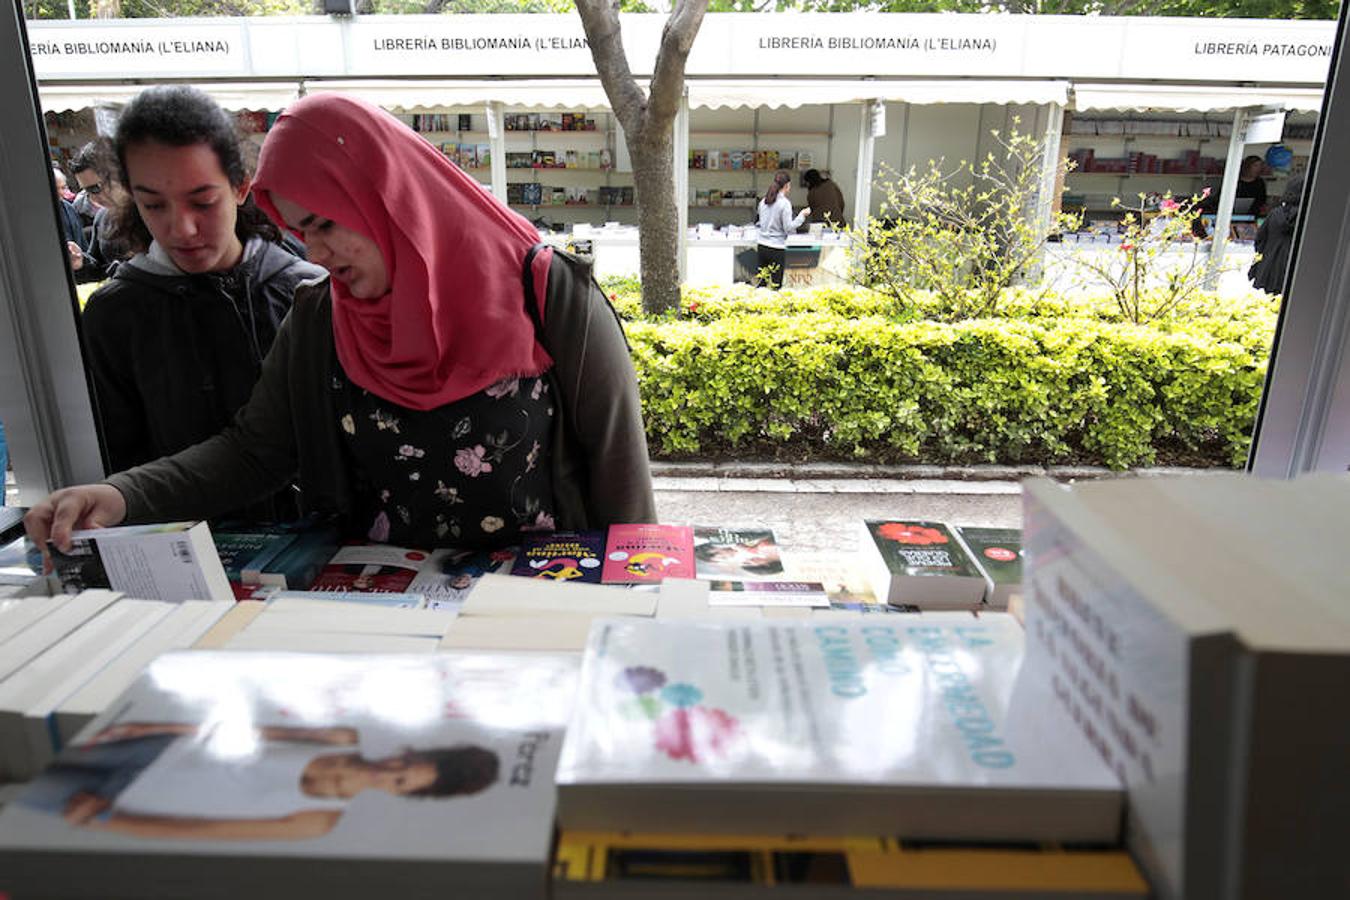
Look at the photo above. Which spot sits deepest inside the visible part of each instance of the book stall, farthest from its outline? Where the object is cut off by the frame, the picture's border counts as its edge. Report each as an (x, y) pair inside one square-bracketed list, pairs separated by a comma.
[(1113, 705), (868, 93)]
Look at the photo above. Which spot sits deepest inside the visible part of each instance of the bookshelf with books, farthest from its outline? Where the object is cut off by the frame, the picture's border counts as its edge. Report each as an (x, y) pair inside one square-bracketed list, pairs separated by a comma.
[(569, 162), (462, 136), (734, 153), (1117, 154)]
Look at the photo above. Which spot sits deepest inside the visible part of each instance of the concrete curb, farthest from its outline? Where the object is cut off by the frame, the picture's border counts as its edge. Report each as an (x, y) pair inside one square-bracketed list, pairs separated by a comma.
[(824, 471)]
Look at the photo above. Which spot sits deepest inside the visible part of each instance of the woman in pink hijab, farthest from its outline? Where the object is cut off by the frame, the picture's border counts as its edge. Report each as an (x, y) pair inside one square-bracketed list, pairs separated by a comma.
[(450, 382)]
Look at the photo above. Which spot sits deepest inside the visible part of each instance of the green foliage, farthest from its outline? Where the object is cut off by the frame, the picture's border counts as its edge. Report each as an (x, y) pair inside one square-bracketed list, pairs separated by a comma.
[(1157, 269), (963, 234), (831, 374)]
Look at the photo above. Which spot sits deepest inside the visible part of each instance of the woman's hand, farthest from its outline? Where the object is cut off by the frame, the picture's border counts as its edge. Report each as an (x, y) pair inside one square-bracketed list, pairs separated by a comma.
[(76, 255), (83, 806), (69, 509)]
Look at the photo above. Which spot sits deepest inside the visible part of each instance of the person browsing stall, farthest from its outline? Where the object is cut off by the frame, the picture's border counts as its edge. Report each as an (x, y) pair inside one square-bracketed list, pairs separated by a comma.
[(776, 222), (176, 338), (450, 383)]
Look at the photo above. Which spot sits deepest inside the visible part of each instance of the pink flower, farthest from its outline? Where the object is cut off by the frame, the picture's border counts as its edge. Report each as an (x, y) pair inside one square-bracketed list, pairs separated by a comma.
[(696, 733), (379, 531), (542, 522), (613, 298), (469, 460), (1204, 193), (1169, 205), (1126, 247), (505, 387)]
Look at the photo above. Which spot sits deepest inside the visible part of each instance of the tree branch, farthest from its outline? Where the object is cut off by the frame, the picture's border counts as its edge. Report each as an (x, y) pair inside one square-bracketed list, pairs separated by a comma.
[(677, 38), (600, 19)]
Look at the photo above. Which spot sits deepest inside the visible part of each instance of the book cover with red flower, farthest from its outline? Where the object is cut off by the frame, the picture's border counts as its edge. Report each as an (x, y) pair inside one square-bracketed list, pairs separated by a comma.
[(648, 554), (907, 726), (919, 563)]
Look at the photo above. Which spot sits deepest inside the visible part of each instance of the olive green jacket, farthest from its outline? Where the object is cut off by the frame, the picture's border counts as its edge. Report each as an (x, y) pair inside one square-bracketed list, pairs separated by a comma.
[(287, 432)]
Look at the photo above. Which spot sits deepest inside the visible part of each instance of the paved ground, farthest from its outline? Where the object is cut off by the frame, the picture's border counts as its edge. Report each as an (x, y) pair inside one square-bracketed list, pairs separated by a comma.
[(823, 514)]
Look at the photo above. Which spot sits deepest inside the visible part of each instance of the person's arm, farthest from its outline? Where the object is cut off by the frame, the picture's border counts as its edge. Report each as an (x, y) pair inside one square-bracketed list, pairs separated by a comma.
[(296, 826), (789, 223), (252, 458), (599, 395)]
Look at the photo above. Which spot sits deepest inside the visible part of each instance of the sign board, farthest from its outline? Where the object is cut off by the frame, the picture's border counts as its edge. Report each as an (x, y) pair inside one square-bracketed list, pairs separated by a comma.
[(1265, 129), (799, 45)]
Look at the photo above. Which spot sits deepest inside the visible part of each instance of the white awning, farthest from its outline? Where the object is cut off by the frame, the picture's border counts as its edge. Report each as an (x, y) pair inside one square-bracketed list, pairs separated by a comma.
[(1176, 98), (795, 93), (409, 96), (260, 95)]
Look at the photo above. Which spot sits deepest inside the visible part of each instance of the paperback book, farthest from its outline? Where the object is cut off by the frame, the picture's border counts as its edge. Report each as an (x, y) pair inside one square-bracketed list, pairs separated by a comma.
[(380, 568), (744, 554), (562, 556), (175, 561), (919, 564), (448, 575), (911, 726), (998, 553), (767, 593), (250, 774), (647, 554)]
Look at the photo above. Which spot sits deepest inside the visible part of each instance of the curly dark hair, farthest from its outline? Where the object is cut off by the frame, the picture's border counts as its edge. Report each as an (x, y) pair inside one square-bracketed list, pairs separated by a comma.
[(180, 116), (466, 769)]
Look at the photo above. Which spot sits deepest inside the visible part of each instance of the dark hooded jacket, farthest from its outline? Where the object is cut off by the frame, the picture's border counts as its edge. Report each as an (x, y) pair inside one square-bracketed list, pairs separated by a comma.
[(1274, 239), (173, 356)]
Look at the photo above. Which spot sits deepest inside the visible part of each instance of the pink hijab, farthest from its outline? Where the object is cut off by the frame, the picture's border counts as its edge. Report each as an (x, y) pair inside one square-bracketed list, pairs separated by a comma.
[(454, 319)]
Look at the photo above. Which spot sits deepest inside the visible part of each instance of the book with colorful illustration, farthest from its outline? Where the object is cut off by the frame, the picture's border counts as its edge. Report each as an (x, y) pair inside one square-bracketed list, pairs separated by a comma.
[(907, 726), (647, 554), (281, 774), (743, 554), (561, 556), (921, 564)]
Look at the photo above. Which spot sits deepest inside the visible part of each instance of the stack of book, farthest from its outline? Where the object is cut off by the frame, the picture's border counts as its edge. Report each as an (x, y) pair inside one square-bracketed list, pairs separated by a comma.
[(63, 659), (934, 566), (278, 775), (1196, 629)]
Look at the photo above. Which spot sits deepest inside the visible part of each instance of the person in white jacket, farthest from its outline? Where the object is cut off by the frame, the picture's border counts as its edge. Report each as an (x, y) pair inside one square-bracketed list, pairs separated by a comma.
[(775, 224)]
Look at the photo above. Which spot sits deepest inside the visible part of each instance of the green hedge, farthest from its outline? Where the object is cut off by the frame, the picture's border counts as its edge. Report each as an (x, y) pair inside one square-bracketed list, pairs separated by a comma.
[(840, 374)]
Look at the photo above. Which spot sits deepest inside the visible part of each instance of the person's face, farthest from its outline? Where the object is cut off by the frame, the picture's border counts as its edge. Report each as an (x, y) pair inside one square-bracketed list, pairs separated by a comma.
[(93, 186), (347, 774), (188, 204), (351, 257), (60, 182), (1252, 169)]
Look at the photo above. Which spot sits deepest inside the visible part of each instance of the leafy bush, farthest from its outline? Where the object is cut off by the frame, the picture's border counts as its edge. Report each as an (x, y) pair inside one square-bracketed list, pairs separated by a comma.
[(841, 374)]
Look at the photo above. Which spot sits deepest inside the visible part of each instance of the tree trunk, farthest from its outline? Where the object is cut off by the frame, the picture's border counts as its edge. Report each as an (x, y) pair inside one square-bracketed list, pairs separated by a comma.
[(648, 123)]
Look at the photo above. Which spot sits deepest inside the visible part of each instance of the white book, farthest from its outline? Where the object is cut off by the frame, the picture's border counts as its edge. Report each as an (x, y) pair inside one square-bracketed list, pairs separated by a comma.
[(27, 644), (27, 740), (178, 630), (1184, 621), (20, 613), (282, 775), (905, 726), (174, 561), (288, 614), (331, 642), (511, 595)]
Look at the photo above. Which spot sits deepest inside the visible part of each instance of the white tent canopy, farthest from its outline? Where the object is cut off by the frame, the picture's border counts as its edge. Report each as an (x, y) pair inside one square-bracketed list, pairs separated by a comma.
[(259, 95), (776, 93), (1196, 98), (410, 96)]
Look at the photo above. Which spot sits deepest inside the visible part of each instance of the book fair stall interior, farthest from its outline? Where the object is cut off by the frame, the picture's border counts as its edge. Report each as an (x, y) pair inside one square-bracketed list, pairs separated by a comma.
[(1118, 699)]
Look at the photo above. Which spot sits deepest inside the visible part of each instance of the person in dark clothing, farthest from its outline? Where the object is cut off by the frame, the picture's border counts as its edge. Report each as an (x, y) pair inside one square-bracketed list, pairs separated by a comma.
[(176, 339), (1251, 184), (69, 219), (100, 252), (1274, 237), (824, 198)]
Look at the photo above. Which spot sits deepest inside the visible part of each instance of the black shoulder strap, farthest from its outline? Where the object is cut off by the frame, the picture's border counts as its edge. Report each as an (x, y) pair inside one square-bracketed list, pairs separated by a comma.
[(531, 298)]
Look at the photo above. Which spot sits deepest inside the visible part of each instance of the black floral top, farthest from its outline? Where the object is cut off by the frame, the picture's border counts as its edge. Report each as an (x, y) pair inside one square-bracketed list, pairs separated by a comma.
[(473, 473)]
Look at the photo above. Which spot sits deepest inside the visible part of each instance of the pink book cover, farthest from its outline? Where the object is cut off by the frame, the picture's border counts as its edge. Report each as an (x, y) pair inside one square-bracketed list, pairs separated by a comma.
[(647, 554)]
